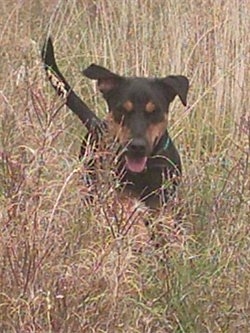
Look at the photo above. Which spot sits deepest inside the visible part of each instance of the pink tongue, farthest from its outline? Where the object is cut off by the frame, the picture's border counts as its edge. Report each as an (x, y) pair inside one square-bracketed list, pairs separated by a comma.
[(136, 164)]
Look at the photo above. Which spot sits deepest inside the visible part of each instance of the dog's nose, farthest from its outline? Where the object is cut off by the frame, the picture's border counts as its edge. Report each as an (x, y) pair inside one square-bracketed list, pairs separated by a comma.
[(138, 146)]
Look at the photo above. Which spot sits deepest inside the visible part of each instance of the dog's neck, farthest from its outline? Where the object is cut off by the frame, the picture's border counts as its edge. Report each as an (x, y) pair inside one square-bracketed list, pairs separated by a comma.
[(163, 144)]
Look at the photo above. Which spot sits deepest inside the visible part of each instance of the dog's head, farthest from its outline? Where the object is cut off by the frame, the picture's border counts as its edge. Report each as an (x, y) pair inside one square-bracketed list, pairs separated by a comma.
[(139, 109)]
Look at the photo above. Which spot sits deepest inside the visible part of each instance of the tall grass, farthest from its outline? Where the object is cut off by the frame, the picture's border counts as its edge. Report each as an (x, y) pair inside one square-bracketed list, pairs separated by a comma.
[(69, 266)]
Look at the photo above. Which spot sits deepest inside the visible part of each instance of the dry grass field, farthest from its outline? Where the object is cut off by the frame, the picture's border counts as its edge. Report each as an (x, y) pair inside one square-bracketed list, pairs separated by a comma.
[(68, 266)]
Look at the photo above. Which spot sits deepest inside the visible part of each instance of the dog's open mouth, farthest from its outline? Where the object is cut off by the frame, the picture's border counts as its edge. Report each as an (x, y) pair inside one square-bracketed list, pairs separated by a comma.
[(136, 164)]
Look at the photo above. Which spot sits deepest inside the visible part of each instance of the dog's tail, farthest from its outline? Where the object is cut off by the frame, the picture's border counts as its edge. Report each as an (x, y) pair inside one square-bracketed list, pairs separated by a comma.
[(59, 83)]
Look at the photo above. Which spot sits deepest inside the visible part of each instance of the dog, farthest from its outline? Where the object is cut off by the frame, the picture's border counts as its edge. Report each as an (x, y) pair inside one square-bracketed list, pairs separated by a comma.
[(149, 165)]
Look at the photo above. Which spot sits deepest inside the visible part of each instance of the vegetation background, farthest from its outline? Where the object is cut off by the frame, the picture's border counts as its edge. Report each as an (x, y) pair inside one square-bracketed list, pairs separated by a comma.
[(64, 265)]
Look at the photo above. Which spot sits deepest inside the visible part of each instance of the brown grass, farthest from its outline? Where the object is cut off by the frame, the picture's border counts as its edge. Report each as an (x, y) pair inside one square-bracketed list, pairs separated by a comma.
[(70, 267)]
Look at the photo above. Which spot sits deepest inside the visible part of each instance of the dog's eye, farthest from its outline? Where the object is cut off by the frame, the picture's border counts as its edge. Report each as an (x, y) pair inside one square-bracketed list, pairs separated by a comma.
[(119, 114), (155, 116)]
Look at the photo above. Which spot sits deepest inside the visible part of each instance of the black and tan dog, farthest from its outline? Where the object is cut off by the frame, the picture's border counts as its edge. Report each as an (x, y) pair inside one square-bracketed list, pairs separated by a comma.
[(149, 164)]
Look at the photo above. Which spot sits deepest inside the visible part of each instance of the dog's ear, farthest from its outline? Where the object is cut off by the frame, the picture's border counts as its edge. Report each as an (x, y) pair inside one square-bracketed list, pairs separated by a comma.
[(177, 85), (106, 80)]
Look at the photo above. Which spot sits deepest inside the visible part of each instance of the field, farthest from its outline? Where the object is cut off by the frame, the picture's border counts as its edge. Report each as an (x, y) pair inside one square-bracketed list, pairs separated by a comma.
[(69, 266)]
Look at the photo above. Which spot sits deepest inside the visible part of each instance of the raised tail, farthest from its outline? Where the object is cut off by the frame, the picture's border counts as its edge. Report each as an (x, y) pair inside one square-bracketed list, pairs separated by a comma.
[(63, 89)]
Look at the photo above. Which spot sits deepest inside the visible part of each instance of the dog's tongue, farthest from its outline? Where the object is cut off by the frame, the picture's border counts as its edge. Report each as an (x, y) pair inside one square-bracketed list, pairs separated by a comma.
[(136, 164)]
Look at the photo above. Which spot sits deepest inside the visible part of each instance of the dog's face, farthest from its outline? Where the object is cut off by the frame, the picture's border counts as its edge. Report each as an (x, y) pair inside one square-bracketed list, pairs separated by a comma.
[(138, 109)]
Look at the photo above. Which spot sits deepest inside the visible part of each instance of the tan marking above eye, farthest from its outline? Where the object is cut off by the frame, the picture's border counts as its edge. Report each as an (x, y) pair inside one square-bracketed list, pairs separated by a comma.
[(128, 106), (150, 107)]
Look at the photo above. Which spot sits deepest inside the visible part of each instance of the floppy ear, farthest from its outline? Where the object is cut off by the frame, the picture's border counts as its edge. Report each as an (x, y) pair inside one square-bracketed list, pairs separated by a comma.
[(177, 85), (106, 80)]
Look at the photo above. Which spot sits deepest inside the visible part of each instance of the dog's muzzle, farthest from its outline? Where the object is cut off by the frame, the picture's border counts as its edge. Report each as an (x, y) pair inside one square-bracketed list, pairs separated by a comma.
[(136, 155)]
